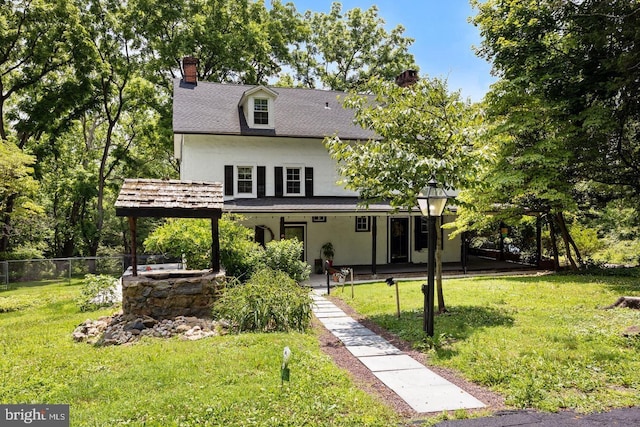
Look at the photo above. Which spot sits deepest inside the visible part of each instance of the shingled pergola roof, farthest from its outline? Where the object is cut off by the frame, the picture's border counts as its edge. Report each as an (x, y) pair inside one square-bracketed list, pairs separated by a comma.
[(169, 198)]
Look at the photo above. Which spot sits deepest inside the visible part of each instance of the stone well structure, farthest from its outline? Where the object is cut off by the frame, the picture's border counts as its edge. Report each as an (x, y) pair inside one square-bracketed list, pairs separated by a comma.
[(165, 295)]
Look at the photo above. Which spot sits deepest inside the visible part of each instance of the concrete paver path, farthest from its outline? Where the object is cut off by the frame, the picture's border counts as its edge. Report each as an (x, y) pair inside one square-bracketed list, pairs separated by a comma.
[(420, 387)]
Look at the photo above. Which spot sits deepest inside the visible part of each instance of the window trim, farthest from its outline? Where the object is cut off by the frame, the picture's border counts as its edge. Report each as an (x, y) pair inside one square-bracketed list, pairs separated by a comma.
[(260, 108), (254, 181), (268, 111), (300, 181), (367, 224)]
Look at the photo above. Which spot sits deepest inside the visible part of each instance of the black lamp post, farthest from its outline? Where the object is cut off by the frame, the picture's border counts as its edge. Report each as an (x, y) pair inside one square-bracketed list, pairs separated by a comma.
[(431, 201)]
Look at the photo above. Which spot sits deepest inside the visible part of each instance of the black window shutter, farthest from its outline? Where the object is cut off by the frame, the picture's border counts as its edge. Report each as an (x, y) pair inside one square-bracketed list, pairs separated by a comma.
[(228, 180), (261, 181), (421, 239), (279, 181), (308, 182)]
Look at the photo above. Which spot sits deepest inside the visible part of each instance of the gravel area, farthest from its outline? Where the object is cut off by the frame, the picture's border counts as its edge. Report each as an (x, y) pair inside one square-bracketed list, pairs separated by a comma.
[(365, 379)]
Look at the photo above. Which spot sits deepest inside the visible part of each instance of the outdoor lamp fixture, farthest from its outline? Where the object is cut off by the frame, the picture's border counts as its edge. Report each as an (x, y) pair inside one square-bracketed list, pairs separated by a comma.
[(431, 201)]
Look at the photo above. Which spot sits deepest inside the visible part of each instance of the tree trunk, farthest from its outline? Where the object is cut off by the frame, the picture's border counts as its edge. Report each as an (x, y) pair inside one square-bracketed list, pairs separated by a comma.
[(6, 223), (626, 302), (570, 240), (554, 243), (564, 233)]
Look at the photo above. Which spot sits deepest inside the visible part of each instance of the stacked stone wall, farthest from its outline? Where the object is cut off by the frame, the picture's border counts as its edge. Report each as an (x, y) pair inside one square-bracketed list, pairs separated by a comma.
[(168, 297)]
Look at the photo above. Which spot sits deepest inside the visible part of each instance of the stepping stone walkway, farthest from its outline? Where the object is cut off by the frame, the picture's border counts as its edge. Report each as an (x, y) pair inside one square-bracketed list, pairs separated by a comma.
[(420, 387)]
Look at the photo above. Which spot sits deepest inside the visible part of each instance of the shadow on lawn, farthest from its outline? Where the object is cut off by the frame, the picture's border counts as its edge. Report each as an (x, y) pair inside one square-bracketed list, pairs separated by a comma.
[(458, 324)]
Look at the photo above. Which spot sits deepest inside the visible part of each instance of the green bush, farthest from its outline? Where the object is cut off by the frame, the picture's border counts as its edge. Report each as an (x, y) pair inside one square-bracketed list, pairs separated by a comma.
[(191, 239), (586, 239), (285, 255), (623, 252), (14, 303), (97, 291), (270, 301)]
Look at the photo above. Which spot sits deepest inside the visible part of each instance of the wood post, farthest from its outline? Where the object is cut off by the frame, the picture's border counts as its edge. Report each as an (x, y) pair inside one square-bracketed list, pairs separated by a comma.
[(134, 244), (215, 245)]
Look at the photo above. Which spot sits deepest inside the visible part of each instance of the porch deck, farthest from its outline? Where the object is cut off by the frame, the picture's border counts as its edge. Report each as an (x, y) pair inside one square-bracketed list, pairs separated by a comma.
[(475, 265)]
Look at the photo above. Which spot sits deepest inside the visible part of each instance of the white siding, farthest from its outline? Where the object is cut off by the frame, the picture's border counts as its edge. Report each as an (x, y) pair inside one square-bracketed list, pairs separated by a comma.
[(204, 157)]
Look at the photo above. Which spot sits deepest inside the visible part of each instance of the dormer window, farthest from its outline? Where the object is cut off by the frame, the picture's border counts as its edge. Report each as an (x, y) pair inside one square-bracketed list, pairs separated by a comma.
[(258, 105), (261, 111)]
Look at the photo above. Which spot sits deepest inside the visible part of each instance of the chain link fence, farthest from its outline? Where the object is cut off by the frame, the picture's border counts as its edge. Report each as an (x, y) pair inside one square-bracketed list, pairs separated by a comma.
[(32, 270)]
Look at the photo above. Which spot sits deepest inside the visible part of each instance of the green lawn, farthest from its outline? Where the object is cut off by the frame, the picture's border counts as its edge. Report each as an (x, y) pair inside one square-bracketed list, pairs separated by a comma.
[(542, 342), (223, 381)]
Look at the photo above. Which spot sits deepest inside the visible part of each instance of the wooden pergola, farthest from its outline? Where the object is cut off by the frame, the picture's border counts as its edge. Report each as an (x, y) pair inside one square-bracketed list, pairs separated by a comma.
[(171, 199)]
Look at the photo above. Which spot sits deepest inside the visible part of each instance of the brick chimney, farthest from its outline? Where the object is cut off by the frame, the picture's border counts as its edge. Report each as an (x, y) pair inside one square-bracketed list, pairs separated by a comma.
[(190, 69), (407, 78)]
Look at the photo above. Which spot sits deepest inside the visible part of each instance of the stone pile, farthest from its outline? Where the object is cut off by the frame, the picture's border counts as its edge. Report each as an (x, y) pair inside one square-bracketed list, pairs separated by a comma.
[(122, 329)]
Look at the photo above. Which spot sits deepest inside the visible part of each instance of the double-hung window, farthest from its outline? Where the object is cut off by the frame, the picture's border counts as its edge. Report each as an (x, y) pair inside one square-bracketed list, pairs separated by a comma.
[(261, 111), (245, 180), (293, 182)]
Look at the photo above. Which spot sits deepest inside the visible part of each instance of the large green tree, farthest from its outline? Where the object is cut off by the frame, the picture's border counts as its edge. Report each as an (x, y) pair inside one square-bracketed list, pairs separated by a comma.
[(565, 109), (235, 41), (343, 50), (43, 56), (423, 132)]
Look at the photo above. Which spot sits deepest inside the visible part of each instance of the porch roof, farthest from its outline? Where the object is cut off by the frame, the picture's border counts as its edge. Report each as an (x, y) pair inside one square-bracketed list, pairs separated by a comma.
[(310, 206)]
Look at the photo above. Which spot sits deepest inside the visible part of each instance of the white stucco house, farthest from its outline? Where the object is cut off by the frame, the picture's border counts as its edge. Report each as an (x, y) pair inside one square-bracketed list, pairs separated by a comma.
[(265, 144)]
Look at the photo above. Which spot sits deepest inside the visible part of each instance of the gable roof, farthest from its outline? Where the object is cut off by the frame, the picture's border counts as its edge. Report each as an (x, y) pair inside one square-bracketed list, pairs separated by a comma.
[(212, 108), (258, 89)]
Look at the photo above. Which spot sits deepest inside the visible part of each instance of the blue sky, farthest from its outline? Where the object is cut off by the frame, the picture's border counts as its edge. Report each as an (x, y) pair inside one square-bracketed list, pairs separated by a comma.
[(443, 38)]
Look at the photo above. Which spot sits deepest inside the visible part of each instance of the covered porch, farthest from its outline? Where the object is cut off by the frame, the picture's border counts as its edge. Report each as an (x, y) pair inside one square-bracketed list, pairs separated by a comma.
[(475, 265)]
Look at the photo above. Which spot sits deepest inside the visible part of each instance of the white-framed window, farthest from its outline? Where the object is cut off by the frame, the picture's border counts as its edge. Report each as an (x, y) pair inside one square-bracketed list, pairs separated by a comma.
[(261, 111), (293, 181), (363, 224), (244, 181)]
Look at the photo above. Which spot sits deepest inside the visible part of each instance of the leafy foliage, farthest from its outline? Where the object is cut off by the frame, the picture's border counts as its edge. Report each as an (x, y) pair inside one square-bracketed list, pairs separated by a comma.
[(344, 49), (191, 239), (97, 291), (421, 132), (13, 303), (564, 116), (270, 301), (284, 255)]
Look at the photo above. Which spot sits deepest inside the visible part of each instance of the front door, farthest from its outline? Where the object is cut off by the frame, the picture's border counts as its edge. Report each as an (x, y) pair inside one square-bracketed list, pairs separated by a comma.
[(399, 240), (297, 231)]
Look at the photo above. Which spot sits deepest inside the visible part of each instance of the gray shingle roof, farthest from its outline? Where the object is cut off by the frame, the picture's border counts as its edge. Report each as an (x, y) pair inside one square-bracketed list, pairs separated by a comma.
[(169, 198), (212, 108)]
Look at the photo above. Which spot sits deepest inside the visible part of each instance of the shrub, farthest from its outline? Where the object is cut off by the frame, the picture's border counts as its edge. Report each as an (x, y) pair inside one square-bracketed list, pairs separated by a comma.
[(269, 301), (586, 239), (14, 303), (97, 291), (191, 239), (239, 253), (284, 255), (623, 252)]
